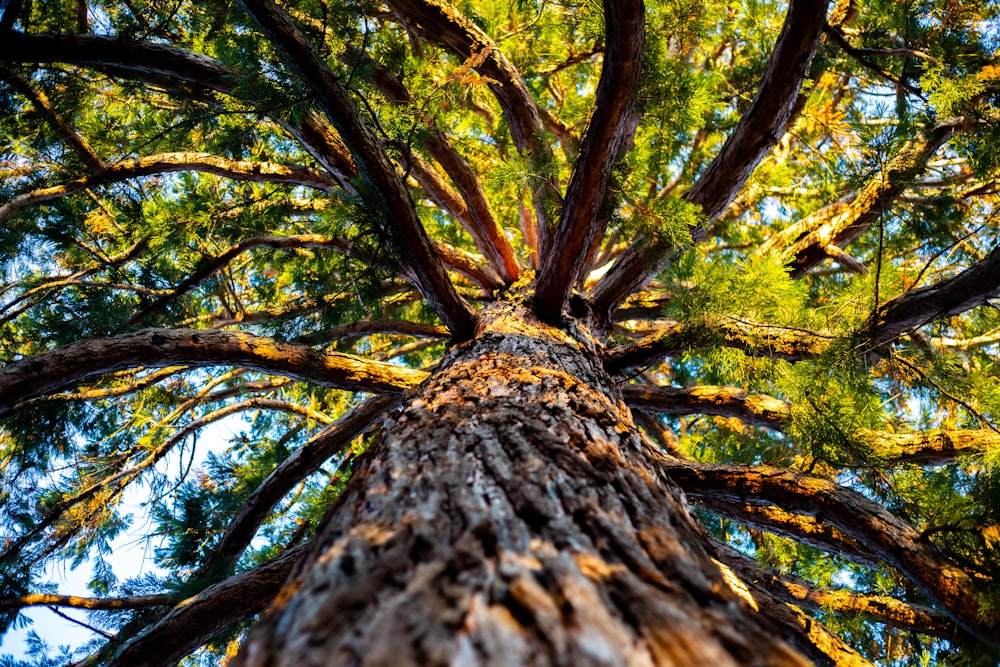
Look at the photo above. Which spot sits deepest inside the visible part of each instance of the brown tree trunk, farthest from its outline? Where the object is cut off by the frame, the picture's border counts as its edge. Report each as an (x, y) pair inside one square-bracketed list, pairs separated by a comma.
[(511, 514)]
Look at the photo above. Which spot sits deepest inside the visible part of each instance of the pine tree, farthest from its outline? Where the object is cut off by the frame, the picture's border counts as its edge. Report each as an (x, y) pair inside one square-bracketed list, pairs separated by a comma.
[(558, 333)]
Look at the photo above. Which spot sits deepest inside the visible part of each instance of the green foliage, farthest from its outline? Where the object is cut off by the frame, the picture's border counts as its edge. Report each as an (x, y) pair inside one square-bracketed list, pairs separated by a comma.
[(758, 289)]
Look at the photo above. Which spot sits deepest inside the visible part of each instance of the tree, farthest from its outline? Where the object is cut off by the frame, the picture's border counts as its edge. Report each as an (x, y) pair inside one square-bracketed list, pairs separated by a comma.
[(559, 333)]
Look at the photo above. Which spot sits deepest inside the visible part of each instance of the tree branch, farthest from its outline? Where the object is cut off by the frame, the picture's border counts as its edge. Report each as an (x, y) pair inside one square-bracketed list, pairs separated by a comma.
[(475, 214), (196, 620), (406, 235), (955, 295), (866, 521), (365, 327), (577, 232), (879, 608), (757, 131), (45, 108), (754, 409), (155, 348), (440, 23), (161, 64), (755, 339), (165, 163), (814, 641), (820, 234), (75, 602), (299, 465), (937, 447), (798, 527)]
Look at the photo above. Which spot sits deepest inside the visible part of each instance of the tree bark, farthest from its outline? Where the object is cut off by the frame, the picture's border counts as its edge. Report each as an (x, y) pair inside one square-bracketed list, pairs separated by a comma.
[(512, 514)]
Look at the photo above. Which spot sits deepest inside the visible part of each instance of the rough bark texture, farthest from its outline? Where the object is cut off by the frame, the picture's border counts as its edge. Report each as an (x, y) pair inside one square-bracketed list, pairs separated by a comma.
[(511, 515)]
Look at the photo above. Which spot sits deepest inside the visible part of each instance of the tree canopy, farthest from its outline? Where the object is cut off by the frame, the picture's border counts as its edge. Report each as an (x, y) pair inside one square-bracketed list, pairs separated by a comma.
[(778, 220)]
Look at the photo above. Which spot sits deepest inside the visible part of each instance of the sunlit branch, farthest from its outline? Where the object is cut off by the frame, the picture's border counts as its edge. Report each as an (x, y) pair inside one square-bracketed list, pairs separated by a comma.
[(754, 409), (264, 172), (197, 619), (66, 131), (246, 389), (288, 407), (663, 436), (474, 213), (299, 465), (166, 65), (116, 392), (879, 608), (406, 234), (469, 265), (991, 338), (799, 527), (937, 447), (952, 296), (489, 238), (152, 348), (76, 602), (864, 520), (440, 23), (759, 128), (577, 232), (830, 229), (217, 263), (754, 338), (817, 643)]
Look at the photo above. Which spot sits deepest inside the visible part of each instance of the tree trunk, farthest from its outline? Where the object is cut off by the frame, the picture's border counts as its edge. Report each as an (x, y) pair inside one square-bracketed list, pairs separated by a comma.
[(512, 514)]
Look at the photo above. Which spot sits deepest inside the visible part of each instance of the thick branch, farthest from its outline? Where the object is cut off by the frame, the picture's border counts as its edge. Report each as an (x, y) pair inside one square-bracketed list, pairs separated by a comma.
[(577, 232), (469, 265), (757, 131), (753, 338), (868, 522), (754, 409), (801, 528), (406, 235), (931, 447), (439, 23), (197, 619), (302, 463), (475, 214), (486, 233), (155, 348), (161, 64), (265, 172), (365, 327), (117, 53), (824, 233), (879, 608), (910, 311)]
